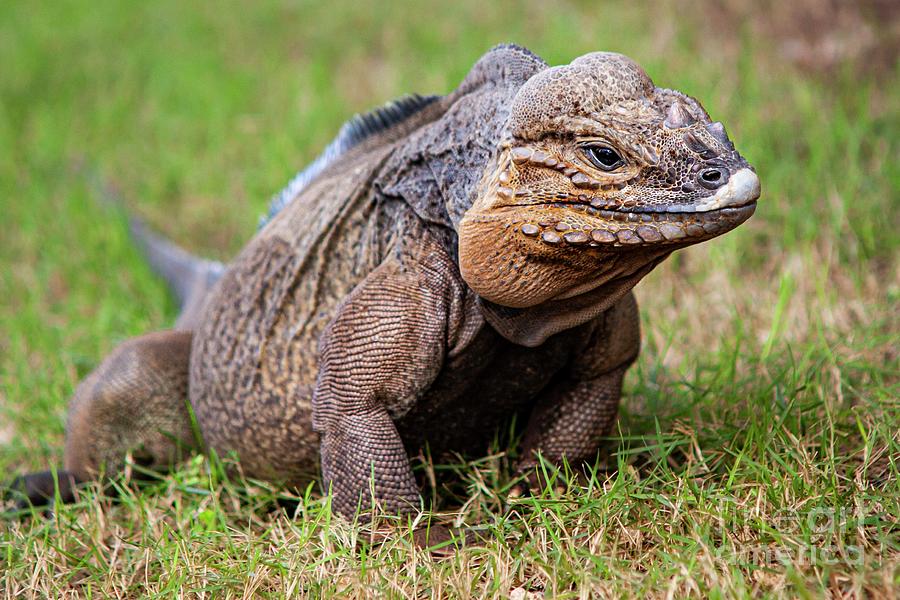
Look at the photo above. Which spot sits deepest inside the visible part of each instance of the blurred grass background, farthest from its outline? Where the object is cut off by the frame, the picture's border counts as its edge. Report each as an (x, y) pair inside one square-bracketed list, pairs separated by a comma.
[(771, 354)]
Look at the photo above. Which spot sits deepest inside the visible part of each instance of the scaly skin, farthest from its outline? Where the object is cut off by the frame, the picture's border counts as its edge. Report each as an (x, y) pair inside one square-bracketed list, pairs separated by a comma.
[(470, 264)]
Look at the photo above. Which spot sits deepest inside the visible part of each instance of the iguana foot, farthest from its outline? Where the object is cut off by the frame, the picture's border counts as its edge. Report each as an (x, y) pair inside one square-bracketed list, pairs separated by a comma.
[(441, 540), (39, 489)]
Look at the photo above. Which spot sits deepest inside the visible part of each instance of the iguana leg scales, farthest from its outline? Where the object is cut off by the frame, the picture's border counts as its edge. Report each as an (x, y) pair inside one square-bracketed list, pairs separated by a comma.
[(134, 402), (383, 349)]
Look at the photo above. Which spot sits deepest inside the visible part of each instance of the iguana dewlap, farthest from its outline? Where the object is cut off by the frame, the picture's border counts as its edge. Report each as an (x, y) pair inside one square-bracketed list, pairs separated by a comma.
[(448, 263)]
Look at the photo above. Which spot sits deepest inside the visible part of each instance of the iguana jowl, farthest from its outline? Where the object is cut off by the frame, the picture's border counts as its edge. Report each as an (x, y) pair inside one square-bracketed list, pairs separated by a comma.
[(448, 263)]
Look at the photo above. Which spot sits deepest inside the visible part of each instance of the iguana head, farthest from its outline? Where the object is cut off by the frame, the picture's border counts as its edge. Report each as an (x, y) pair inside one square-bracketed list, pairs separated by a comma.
[(599, 176)]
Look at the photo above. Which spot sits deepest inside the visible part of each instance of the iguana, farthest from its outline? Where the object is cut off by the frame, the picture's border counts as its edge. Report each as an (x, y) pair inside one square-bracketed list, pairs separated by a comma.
[(448, 263)]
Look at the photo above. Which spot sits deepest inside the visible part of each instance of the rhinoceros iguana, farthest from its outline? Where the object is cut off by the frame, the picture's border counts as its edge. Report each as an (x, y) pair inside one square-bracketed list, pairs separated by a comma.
[(448, 263)]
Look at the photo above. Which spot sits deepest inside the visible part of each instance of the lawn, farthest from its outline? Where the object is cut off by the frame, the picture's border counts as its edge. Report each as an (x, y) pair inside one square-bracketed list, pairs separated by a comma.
[(758, 448)]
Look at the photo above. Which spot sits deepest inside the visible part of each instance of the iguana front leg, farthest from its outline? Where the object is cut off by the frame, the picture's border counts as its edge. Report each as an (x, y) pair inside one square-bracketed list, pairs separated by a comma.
[(569, 423), (571, 418), (384, 347)]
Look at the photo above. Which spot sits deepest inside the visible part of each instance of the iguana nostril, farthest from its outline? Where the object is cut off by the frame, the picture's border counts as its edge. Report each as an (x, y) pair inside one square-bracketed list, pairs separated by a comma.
[(712, 178)]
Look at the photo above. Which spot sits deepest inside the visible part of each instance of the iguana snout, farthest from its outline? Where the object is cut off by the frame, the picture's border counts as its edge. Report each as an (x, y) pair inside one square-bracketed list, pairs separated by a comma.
[(600, 174)]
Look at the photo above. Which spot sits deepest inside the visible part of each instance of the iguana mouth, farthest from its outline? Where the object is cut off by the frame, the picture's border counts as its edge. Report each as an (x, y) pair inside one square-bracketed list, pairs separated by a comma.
[(620, 228), (651, 212)]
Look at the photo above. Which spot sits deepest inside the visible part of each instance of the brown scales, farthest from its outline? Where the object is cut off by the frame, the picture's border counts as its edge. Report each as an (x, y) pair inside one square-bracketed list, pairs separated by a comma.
[(469, 263)]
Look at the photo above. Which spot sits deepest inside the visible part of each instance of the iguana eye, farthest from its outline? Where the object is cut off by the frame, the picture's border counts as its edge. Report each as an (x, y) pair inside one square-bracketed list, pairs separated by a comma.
[(603, 157)]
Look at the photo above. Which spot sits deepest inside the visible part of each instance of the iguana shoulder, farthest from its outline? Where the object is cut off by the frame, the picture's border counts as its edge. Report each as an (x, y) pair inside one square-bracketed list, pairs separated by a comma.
[(424, 153), (436, 170)]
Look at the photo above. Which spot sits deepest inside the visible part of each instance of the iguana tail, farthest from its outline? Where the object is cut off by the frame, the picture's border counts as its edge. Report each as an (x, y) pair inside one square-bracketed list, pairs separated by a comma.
[(190, 277)]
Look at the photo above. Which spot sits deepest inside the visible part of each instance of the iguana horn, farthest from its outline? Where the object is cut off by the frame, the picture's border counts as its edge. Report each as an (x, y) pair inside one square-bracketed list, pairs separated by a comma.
[(678, 116), (717, 130)]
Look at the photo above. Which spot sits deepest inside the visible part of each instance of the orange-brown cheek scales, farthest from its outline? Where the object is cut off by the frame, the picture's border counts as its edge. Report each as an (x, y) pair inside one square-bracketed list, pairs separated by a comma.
[(504, 259), (535, 231)]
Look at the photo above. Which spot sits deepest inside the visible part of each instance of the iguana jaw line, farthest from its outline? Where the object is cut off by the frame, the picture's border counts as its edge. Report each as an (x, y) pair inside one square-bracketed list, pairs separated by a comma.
[(519, 254), (742, 189), (672, 225)]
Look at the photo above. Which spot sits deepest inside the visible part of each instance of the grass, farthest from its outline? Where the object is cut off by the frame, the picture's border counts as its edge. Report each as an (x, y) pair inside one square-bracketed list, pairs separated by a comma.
[(758, 448)]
